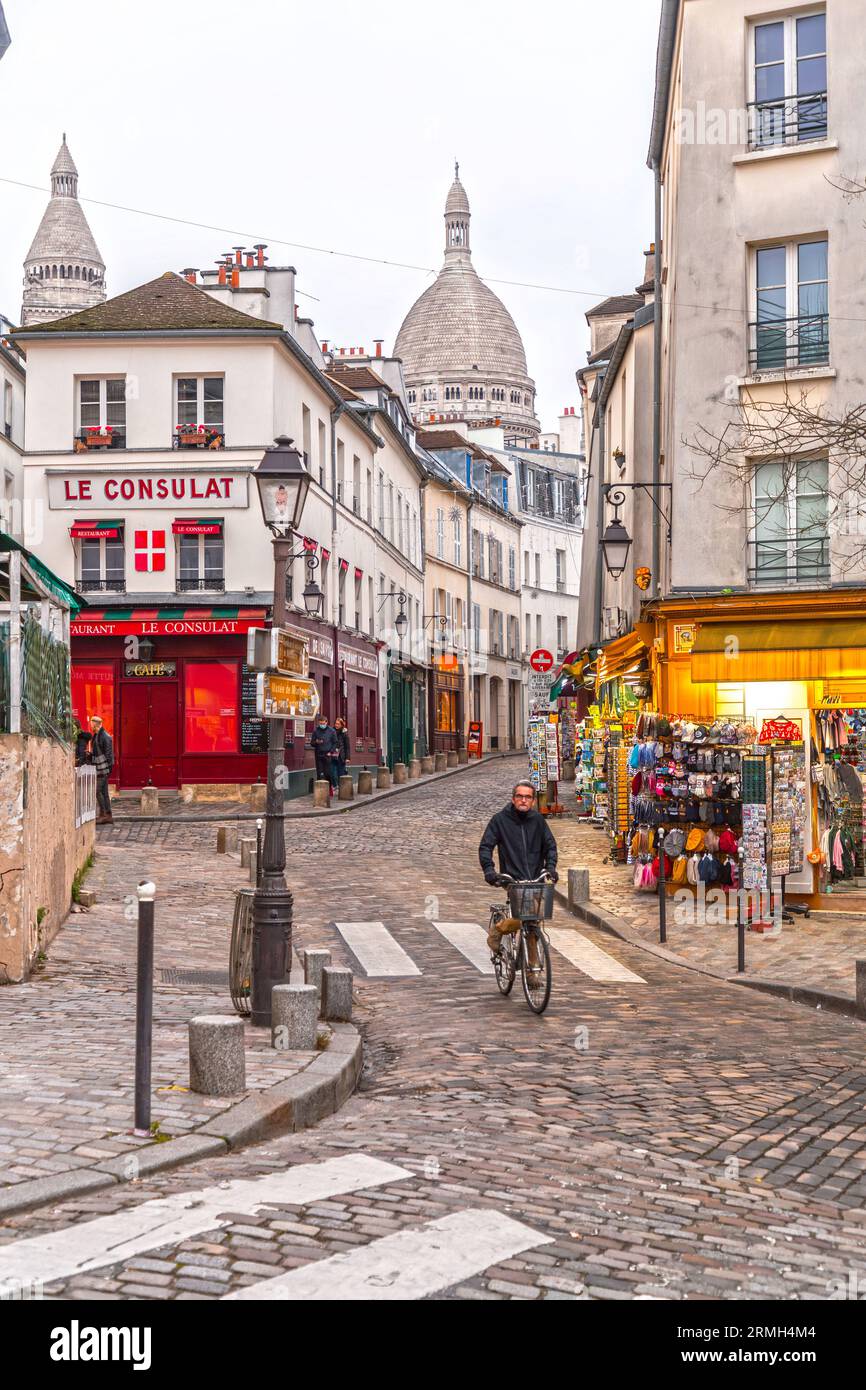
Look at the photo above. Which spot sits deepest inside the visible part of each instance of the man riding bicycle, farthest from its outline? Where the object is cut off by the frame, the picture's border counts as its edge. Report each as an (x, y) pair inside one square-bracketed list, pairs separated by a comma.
[(526, 849)]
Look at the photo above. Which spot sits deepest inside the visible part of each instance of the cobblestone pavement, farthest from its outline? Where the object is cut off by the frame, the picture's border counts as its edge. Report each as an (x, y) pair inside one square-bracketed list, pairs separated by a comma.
[(819, 952), (673, 1138)]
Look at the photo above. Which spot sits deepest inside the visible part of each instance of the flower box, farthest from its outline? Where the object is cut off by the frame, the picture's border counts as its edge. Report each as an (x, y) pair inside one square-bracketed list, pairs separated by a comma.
[(97, 439), (193, 440)]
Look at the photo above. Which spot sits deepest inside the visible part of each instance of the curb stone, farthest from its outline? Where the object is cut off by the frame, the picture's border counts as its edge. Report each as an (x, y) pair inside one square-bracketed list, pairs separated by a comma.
[(795, 994), (284, 1108), (342, 810)]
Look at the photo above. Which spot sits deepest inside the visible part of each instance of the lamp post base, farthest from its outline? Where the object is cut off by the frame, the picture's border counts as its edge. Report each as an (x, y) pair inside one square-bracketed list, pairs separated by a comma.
[(272, 949)]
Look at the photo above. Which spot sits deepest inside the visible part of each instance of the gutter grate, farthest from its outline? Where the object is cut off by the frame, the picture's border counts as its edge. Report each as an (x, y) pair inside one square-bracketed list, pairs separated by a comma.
[(173, 976)]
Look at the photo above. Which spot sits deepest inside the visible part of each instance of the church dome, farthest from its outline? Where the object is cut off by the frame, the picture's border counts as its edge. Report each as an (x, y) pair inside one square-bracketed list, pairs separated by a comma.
[(63, 271), (461, 349)]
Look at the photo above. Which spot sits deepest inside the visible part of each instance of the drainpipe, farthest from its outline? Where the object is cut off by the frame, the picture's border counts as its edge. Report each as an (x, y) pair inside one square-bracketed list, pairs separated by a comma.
[(334, 561), (468, 714), (657, 381), (602, 472)]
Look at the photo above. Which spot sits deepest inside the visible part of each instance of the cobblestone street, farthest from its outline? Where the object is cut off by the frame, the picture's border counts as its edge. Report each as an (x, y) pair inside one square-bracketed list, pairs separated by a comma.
[(670, 1136)]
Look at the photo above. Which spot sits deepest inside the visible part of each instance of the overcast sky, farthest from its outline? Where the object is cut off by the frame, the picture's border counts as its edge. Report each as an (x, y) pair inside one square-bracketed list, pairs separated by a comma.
[(336, 125)]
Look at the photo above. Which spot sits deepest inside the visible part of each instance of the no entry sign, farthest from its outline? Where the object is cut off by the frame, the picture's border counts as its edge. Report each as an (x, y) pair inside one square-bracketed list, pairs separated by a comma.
[(541, 660)]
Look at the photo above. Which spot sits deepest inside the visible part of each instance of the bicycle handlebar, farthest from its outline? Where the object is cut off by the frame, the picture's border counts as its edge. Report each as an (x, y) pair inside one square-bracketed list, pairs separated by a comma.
[(507, 881)]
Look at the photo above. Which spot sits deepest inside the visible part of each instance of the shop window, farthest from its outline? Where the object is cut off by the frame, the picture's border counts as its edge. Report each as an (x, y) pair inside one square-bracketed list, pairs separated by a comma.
[(730, 701), (93, 693), (359, 711), (446, 713), (211, 706)]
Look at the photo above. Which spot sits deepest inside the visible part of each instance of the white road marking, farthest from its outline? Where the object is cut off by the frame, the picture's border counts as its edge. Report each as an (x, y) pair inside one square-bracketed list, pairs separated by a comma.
[(595, 963), (167, 1220), (376, 950), (411, 1264), (470, 940)]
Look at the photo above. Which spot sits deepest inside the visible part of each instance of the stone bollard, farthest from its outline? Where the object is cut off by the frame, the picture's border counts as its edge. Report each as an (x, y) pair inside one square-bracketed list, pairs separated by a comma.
[(254, 868), (150, 801), (861, 987), (321, 793), (314, 963), (452, 759), (294, 1017), (248, 848), (383, 778), (216, 1055), (400, 773), (567, 774), (463, 755), (336, 994), (222, 840), (365, 783), (578, 886), (427, 765), (259, 797), (232, 839), (347, 788), (414, 769), (440, 762)]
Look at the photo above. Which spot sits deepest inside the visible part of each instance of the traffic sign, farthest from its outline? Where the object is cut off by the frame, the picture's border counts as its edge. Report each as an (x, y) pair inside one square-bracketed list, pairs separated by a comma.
[(541, 660)]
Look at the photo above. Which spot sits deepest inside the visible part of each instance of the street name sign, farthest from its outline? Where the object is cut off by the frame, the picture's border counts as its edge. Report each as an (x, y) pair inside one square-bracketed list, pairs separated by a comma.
[(285, 697)]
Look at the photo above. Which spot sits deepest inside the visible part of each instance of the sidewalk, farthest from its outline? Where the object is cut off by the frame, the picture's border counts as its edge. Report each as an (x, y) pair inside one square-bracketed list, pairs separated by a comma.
[(67, 1037), (815, 953)]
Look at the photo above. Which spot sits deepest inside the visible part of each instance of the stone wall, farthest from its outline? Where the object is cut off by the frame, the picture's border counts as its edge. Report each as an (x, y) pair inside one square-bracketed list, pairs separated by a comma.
[(40, 848)]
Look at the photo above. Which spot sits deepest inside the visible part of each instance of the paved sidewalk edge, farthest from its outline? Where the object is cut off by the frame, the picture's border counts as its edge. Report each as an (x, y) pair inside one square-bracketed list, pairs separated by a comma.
[(283, 1108), (795, 994), (358, 803)]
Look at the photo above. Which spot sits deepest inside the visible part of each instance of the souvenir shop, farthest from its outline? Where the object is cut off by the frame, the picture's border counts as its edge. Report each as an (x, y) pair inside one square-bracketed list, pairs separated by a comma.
[(553, 741), (602, 742), (839, 774)]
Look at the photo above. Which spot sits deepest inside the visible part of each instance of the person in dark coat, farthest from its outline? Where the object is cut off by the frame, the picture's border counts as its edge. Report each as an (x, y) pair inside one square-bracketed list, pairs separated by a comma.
[(325, 747), (526, 848), (343, 750), (102, 757), (82, 745)]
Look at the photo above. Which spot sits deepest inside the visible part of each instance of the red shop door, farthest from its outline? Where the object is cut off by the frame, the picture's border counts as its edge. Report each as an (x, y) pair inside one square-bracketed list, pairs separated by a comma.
[(149, 734)]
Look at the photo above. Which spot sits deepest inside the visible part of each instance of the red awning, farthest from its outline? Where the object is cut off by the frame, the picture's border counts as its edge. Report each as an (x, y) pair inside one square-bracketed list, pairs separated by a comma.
[(96, 530), (167, 622), (197, 526)]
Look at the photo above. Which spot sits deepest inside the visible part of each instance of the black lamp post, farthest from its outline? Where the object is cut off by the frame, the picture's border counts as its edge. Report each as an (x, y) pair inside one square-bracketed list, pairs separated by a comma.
[(283, 484)]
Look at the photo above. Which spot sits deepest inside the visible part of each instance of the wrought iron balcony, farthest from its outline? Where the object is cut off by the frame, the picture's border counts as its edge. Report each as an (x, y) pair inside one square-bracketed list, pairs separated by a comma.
[(787, 120), (213, 584), (777, 344), (115, 585), (795, 559)]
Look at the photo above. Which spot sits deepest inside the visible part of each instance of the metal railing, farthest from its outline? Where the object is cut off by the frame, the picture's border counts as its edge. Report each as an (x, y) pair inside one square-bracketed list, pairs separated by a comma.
[(791, 120), (795, 559), (103, 586), (85, 795), (776, 344), (92, 440), (215, 584)]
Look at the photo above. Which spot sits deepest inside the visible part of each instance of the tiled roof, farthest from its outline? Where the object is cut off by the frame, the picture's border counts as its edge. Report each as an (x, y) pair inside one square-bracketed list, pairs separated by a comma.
[(444, 439), (359, 378), (165, 304), (342, 390), (616, 304)]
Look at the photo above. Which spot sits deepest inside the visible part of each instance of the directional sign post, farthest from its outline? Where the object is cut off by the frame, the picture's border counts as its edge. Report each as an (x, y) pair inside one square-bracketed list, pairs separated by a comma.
[(285, 697)]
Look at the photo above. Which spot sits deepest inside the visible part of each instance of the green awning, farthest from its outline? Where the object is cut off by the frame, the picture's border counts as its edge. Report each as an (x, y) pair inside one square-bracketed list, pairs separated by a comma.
[(52, 582)]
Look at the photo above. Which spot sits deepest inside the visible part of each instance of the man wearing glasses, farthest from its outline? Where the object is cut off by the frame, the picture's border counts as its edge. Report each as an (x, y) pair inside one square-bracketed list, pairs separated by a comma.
[(526, 848)]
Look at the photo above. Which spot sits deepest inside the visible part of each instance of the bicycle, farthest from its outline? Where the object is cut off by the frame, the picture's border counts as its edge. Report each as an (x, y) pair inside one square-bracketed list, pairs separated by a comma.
[(531, 902)]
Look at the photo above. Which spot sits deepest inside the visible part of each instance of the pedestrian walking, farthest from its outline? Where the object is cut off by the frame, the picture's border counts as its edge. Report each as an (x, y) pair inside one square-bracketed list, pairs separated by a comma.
[(325, 747), (102, 757), (341, 729)]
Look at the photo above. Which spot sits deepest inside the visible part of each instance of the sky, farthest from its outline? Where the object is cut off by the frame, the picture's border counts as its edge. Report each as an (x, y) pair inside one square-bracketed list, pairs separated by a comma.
[(336, 126)]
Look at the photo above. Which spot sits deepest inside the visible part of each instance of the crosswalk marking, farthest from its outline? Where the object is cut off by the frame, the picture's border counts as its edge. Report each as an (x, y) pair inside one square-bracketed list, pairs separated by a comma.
[(470, 940), (375, 949), (168, 1220), (411, 1264), (591, 959)]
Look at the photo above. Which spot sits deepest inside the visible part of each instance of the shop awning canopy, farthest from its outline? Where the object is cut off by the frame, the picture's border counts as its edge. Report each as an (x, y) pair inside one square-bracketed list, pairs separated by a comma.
[(96, 530), (779, 651), (197, 526), (53, 583), (167, 622), (619, 656)]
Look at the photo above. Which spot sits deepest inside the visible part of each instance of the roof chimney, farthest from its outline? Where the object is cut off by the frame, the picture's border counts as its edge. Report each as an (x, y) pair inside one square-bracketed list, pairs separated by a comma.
[(378, 342), (251, 259), (189, 274), (221, 277), (236, 279), (239, 251), (259, 249), (325, 346)]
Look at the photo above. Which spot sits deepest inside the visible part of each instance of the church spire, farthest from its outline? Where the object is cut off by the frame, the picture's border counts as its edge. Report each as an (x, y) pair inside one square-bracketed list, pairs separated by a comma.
[(64, 175), (457, 218)]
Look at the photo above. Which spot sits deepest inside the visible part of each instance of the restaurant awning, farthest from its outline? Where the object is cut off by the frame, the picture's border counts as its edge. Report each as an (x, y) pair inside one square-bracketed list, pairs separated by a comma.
[(779, 651), (170, 622), (96, 530), (197, 526)]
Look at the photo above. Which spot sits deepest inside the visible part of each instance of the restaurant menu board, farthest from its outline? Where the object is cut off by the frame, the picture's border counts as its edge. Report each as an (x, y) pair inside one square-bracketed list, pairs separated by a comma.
[(254, 731)]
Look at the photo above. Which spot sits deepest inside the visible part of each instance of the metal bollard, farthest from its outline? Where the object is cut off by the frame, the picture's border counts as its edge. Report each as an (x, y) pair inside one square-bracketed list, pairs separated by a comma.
[(741, 920), (259, 824), (144, 1008), (663, 897)]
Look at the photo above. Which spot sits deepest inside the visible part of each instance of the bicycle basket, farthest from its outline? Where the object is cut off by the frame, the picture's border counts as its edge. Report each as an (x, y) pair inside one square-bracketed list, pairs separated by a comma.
[(531, 901)]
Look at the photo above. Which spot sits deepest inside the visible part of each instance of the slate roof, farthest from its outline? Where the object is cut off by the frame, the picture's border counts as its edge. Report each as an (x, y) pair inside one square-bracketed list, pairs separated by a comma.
[(166, 304), (616, 304)]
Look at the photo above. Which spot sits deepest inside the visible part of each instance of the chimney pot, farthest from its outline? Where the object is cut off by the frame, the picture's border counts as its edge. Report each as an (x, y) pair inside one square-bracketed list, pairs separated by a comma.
[(325, 346), (236, 278), (221, 277), (239, 251), (251, 259), (378, 342), (259, 249)]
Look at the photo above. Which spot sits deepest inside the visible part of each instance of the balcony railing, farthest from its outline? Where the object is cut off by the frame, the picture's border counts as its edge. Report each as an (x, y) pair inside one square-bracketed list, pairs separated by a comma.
[(778, 344), (193, 437), (212, 584), (114, 585), (787, 121), (796, 559)]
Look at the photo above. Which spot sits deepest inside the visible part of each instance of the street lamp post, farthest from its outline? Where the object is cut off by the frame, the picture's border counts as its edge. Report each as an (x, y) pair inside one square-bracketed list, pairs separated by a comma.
[(283, 483)]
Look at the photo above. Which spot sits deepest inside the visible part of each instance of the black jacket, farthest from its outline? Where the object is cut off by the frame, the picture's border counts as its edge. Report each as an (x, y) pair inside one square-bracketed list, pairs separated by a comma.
[(525, 843), (342, 744), (324, 741)]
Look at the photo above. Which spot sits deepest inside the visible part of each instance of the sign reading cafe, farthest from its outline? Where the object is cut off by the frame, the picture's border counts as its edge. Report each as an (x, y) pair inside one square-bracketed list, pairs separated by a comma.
[(138, 490)]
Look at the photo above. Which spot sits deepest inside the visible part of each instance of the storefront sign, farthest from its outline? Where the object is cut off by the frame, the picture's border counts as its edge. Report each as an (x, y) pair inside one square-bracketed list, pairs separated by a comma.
[(282, 697), (150, 490), (475, 740), (320, 646), (365, 663), (685, 636), (151, 668), (277, 649), (168, 627), (781, 731)]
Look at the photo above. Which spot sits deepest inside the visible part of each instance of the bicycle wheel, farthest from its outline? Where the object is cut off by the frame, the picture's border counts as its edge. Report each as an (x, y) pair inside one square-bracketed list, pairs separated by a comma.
[(505, 964), (536, 983)]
